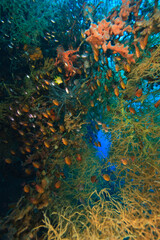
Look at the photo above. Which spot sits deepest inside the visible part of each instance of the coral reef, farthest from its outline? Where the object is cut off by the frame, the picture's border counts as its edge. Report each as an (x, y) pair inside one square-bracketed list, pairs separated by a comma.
[(80, 112)]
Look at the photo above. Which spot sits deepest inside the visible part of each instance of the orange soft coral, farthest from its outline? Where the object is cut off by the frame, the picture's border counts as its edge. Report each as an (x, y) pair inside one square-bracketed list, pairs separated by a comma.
[(99, 35), (121, 50), (125, 10), (67, 58), (118, 27)]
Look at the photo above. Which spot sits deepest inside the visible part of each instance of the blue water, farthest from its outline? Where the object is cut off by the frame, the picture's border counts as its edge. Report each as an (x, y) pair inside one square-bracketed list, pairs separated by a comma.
[(103, 151)]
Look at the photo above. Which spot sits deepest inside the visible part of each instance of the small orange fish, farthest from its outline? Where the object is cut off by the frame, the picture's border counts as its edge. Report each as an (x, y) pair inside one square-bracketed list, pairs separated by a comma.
[(109, 73), (59, 69), (65, 141), (96, 126), (21, 132), (92, 87), (132, 110), (143, 42), (55, 102), (44, 183), (139, 92), (13, 152), (25, 108), (8, 160), (129, 61), (48, 112), (28, 171), (116, 67), (106, 177), (57, 184), (137, 50), (128, 68), (27, 143), (68, 161), (61, 128), (118, 58), (106, 60), (62, 174), (93, 179), (27, 149), (107, 76), (79, 158), (96, 58), (157, 103), (123, 86), (14, 126), (26, 188), (46, 144), (116, 91), (39, 189), (36, 164), (98, 83), (124, 161), (50, 124), (106, 88), (34, 201), (52, 111), (52, 130), (95, 86), (108, 108), (105, 128), (45, 115), (43, 204), (92, 104), (47, 82), (96, 54), (132, 158)]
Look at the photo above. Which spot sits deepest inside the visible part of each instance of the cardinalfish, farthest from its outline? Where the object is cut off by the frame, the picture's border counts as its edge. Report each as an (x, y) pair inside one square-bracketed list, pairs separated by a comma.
[(136, 50), (123, 86), (143, 42), (105, 128), (94, 179), (139, 92), (132, 110), (68, 160), (106, 177), (157, 104), (116, 91)]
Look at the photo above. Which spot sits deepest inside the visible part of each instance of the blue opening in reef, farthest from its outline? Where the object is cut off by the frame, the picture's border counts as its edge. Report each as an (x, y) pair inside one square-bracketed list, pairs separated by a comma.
[(103, 151)]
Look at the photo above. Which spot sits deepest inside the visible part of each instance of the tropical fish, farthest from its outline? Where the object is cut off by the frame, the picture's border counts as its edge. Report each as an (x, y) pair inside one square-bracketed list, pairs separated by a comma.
[(106, 177)]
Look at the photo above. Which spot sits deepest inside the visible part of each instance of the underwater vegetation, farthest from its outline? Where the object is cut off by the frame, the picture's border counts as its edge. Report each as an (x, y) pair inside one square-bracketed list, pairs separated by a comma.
[(80, 120)]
